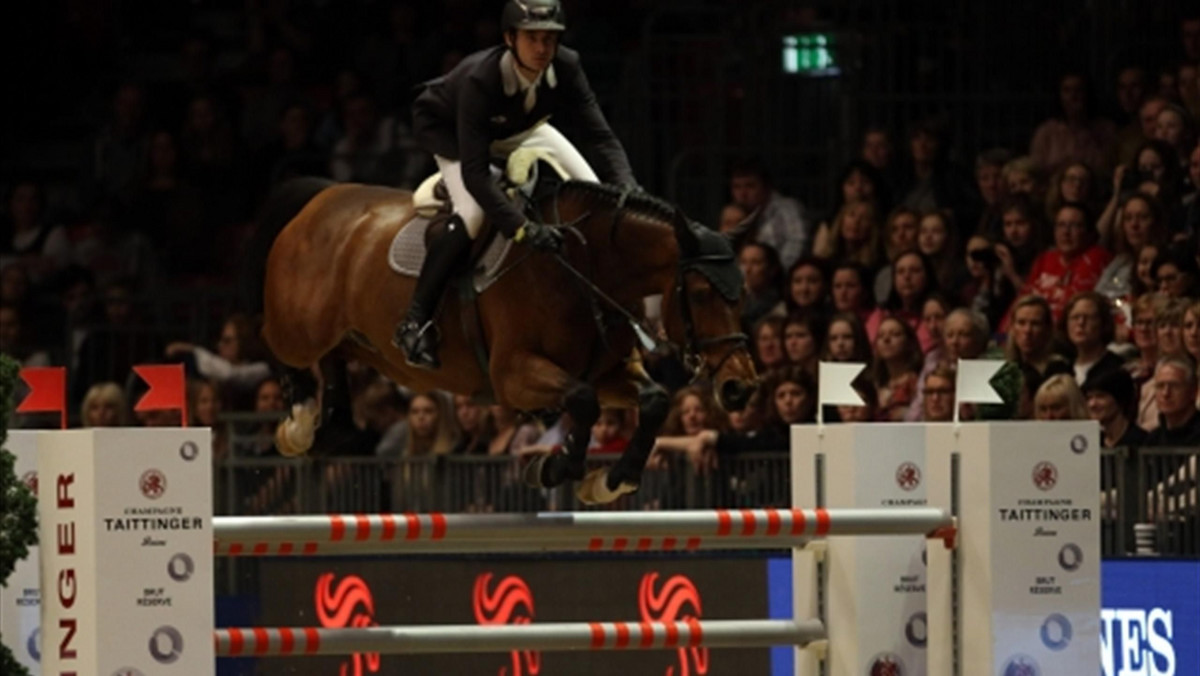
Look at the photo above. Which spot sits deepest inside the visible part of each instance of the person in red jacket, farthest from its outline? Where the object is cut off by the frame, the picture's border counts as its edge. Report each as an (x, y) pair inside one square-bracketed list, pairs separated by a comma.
[(1072, 266)]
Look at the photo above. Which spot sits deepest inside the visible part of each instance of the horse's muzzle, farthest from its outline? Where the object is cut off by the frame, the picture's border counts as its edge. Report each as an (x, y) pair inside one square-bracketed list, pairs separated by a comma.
[(735, 394)]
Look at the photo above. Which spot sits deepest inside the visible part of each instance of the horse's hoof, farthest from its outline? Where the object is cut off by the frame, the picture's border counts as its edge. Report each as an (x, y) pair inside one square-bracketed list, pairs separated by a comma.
[(593, 489)]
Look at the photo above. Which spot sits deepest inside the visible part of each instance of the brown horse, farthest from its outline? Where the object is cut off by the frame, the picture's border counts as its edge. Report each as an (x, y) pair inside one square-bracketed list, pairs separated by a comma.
[(555, 339)]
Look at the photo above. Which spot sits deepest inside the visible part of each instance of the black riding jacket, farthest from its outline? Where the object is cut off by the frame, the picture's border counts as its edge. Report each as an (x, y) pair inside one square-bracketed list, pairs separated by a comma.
[(460, 114)]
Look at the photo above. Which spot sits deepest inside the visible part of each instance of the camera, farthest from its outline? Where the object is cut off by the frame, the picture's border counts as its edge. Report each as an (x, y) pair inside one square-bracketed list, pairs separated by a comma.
[(986, 256)]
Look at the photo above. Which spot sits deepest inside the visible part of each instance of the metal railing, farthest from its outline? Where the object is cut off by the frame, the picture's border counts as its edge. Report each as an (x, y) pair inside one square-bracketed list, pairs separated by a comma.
[(1148, 491)]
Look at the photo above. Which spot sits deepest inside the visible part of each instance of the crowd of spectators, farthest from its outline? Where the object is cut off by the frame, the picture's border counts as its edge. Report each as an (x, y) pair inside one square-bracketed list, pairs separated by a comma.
[(1073, 257)]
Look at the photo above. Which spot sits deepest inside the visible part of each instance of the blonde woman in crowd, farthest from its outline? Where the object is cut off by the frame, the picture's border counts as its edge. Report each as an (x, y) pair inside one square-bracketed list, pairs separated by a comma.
[(1145, 339), (854, 236), (1059, 398), (104, 406)]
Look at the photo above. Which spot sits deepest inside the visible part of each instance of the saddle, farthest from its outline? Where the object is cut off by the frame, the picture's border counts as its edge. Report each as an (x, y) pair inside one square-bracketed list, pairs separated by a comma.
[(528, 172)]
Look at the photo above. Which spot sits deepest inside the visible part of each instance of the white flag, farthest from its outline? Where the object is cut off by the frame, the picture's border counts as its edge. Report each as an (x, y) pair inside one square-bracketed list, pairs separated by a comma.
[(974, 381), (835, 384)]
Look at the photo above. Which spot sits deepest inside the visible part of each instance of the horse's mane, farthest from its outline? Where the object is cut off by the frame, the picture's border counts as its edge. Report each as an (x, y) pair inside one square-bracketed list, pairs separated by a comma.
[(611, 194)]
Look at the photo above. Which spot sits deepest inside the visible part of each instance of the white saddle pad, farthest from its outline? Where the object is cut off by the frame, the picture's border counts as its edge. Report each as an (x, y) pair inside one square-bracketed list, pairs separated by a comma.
[(407, 253)]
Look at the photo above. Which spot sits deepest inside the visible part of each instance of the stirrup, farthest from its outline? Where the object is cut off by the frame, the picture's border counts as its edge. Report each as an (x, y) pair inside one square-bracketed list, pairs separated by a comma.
[(419, 342)]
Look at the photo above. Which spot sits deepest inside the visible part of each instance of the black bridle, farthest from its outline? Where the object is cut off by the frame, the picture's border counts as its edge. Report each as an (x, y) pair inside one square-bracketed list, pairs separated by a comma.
[(694, 349)]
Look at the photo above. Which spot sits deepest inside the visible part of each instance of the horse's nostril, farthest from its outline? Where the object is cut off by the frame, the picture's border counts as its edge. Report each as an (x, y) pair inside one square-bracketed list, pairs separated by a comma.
[(735, 394)]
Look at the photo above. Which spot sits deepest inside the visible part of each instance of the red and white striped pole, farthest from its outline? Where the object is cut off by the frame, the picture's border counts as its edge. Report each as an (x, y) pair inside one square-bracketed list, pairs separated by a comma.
[(301, 641)]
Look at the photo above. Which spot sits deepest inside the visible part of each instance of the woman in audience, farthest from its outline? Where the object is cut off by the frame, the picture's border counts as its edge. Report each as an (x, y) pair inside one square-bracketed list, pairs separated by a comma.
[(1088, 325), (693, 410), (1072, 266), (204, 405), (846, 340), (768, 343), (1020, 240), (808, 287), (476, 426), (903, 225), (763, 274), (1176, 273), (431, 430), (1145, 339), (238, 365), (104, 406), (913, 280), (1075, 182), (1031, 342), (1170, 327), (1142, 225), (850, 292), (898, 362), (1059, 398), (802, 338), (937, 403), (937, 240), (854, 236)]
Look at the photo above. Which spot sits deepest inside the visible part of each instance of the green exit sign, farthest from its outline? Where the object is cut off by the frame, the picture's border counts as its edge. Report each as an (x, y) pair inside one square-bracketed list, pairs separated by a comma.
[(809, 54)]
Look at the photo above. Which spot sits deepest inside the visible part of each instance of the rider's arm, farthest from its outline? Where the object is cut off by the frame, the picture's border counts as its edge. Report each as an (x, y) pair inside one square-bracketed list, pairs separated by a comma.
[(599, 144), (474, 148)]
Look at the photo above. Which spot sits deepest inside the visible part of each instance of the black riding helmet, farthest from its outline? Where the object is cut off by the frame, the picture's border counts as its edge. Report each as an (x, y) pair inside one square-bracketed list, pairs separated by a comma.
[(533, 15)]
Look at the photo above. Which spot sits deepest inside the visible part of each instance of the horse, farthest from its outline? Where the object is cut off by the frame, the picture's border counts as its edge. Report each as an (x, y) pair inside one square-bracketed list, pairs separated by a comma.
[(561, 330)]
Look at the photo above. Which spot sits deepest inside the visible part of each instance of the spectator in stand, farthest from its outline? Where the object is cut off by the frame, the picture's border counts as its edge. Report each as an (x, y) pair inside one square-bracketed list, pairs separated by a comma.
[(989, 180), (1176, 128), (937, 239), (868, 412), (1073, 265), (933, 318), (238, 365), (14, 340), (1169, 327), (938, 399), (1145, 337), (120, 145), (1059, 398), (26, 236), (104, 406), (1189, 88), (204, 408), (693, 410), (110, 350), (1088, 325), (431, 429), (913, 280), (1191, 329), (476, 424), (1031, 342), (1076, 134), (1175, 394), (608, 433), (768, 343), (1022, 176), (763, 277), (898, 362), (1074, 182), (512, 436), (1191, 203), (731, 218), (377, 149), (877, 149), (932, 181), (859, 182), (1177, 273), (808, 288), (1111, 400), (1147, 126), (291, 153), (854, 236), (803, 335), (1019, 242), (773, 219), (846, 340), (901, 231), (849, 290), (1142, 224), (1131, 92), (985, 289)]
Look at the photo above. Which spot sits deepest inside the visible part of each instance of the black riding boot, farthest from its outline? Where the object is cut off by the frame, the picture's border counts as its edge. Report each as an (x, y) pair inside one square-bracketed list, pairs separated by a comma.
[(417, 333)]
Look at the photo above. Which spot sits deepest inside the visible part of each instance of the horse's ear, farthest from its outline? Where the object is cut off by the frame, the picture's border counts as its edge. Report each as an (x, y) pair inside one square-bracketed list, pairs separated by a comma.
[(689, 244)]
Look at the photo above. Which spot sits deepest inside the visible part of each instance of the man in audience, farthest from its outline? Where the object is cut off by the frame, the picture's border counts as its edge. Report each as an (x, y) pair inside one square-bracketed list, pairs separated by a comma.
[(1110, 401), (1175, 392), (773, 219)]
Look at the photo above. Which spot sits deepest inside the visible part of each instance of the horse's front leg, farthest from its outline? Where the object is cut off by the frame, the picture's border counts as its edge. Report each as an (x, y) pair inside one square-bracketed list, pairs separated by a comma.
[(653, 403), (530, 382)]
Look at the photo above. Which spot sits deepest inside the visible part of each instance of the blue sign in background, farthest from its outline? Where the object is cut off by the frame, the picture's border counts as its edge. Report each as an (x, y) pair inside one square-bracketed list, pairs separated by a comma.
[(1150, 618)]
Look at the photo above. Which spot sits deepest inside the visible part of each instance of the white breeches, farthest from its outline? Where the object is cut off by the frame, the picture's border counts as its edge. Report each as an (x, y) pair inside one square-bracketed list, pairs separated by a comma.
[(543, 137)]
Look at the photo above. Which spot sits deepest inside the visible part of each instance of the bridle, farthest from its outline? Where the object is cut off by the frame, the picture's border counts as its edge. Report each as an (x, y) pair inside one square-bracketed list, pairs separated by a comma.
[(694, 348)]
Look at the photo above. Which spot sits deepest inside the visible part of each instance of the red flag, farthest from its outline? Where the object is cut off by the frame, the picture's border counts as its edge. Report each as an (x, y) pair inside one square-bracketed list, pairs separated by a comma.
[(166, 390), (47, 391)]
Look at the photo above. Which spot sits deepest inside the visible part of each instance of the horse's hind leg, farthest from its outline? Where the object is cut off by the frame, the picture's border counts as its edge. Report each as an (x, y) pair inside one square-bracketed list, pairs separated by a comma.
[(336, 426), (603, 486), (295, 435)]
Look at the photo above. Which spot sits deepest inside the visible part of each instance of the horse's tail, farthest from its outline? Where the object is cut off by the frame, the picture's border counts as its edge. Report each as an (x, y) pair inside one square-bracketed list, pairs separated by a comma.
[(280, 207)]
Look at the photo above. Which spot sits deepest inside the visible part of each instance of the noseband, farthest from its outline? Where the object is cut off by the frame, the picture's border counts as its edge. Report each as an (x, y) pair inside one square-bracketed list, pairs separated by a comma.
[(694, 348)]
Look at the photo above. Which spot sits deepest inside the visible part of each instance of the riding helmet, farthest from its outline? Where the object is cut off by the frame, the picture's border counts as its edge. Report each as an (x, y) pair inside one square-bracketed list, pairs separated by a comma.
[(533, 15)]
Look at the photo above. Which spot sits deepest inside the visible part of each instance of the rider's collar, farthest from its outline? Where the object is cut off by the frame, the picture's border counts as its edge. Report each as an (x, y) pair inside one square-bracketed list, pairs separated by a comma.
[(514, 81)]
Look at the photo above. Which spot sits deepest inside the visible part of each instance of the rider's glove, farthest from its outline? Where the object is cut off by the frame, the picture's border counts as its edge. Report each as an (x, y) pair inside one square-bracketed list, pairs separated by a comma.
[(540, 236)]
